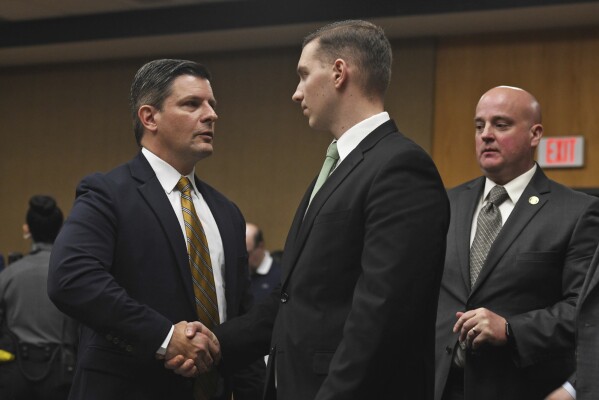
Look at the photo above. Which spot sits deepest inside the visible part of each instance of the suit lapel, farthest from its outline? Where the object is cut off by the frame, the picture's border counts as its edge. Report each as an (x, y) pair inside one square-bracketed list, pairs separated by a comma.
[(466, 205), (153, 193), (523, 213), (303, 223), (592, 279)]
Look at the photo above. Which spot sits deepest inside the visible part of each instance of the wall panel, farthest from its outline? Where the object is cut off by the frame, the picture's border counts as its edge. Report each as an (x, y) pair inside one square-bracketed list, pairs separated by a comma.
[(62, 122), (559, 68)]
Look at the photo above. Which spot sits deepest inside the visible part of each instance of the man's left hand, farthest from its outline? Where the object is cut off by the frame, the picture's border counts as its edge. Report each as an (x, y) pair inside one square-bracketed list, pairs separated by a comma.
[(480, 326)]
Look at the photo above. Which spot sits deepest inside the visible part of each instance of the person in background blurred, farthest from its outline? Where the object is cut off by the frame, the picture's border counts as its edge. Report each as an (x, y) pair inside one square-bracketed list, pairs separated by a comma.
[(42, 336), (265, 272)]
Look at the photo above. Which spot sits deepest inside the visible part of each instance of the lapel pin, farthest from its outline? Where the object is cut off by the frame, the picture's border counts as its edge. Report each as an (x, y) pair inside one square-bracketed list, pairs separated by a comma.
[(533, 200)]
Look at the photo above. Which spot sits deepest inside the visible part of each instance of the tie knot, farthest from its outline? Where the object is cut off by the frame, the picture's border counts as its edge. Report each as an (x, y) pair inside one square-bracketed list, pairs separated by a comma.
[(498, 195), (184, 185), (332, 151)]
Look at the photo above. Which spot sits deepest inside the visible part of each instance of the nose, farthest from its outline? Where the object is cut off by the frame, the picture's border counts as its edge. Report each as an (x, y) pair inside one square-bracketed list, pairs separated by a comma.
[(298, 96), (209, 115), (487, 133)]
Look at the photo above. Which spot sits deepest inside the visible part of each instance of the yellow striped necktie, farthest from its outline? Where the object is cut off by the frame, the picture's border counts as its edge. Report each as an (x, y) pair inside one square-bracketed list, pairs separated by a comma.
[(204, 289)]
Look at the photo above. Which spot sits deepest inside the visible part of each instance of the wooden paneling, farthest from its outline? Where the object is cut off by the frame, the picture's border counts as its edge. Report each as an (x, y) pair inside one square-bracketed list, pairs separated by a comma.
[(559, 68), (63, 122)]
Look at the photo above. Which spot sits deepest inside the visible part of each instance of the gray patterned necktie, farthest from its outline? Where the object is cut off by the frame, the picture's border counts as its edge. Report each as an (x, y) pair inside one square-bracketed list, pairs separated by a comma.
[(488, 226)]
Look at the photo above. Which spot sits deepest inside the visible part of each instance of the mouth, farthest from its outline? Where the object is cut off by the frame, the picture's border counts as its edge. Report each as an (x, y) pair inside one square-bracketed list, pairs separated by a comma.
[(206, 136), (488, 153)]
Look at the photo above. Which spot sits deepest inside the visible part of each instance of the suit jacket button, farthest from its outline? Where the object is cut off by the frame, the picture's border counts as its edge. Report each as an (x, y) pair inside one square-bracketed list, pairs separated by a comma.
[(448, 349), (129, 348), (284, 297)]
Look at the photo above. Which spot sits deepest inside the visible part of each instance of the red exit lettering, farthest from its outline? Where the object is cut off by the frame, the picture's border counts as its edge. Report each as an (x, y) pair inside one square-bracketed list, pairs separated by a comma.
[(560, 151)]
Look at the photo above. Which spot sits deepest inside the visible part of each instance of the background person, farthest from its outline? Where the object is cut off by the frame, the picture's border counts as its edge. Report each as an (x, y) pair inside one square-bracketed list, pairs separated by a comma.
[(505, 322), (265, 271), (39, 333)]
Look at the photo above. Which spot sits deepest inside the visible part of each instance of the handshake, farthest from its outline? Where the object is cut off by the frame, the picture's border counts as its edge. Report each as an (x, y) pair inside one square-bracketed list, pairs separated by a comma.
[(192, 350)]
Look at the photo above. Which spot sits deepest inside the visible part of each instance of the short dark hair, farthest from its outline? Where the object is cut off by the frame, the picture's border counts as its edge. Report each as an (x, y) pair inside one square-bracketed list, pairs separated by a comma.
[(44, 219), (362, 42), (258, 237), (153, 83)]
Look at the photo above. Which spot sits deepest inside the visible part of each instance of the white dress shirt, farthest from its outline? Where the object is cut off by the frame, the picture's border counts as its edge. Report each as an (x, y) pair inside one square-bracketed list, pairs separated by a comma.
[(354, 135), (514, 189), (168, 178)]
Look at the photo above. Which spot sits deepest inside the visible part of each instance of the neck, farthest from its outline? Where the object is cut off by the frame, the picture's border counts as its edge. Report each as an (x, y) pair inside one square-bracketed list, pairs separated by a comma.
[(355, 113)]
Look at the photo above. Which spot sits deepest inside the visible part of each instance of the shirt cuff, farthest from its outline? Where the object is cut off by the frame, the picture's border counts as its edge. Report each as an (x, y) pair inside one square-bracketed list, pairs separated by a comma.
[(162, 350), (570, 389)]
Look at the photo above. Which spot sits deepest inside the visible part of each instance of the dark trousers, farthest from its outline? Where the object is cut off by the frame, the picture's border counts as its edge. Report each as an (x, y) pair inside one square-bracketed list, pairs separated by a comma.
[(454, 388)]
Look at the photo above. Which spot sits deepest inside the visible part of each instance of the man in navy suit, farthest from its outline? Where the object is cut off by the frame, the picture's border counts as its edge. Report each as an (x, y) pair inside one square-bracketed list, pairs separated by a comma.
[(120, 265), (506, 330)]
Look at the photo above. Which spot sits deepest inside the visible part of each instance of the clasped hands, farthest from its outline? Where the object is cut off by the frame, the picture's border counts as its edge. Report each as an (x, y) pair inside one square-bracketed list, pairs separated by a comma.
[(192, 350), (480, 326)]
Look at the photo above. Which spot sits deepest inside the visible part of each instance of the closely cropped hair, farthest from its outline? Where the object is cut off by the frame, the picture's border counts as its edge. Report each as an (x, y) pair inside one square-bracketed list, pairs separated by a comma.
[(362, 42), (152, 84), (44, 219)]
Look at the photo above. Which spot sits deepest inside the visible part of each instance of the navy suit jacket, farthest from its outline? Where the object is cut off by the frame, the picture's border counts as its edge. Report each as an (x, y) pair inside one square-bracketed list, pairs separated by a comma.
[(354, 315), (120, 267), (532, 277)]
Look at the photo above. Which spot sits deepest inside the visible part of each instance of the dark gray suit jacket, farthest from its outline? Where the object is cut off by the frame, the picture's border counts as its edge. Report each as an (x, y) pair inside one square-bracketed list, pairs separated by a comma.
[(361, 272), (532, 277)]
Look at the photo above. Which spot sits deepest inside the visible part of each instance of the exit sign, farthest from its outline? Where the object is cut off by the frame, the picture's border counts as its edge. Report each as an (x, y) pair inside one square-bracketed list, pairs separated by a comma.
[(561, 151)]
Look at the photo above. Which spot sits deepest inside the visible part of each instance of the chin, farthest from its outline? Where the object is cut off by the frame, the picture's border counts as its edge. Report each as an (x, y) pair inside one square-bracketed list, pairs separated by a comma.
[(204, 151)]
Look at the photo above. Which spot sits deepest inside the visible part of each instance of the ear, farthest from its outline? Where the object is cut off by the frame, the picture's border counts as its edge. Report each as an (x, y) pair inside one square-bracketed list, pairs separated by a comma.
[(147, 116), (26, 231), (536, 133), (340, 73)]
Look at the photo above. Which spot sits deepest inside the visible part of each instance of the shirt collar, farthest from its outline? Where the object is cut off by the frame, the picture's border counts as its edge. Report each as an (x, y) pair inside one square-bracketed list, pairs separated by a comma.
[(167, 175), (265, 265), (354, 135), (515, 187)]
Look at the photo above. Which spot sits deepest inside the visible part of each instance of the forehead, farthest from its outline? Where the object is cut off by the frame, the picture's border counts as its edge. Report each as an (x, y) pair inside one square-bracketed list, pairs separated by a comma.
[(309, 55), (189, 85), (502, 103)]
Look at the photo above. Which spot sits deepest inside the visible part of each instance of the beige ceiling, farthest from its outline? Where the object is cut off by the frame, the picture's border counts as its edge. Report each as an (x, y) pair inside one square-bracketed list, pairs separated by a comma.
[(531, 18)]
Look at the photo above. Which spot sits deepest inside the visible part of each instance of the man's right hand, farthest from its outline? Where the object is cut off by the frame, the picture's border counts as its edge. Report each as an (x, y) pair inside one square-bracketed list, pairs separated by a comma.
[(192, 350)]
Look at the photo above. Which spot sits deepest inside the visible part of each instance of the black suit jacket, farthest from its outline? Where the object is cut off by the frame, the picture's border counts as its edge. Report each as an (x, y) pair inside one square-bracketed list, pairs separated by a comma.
[(120, 266), (361, 272), (532, 277), (587, 339)]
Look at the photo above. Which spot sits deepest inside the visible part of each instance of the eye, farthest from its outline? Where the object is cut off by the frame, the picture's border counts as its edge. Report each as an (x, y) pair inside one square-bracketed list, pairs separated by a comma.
[(479, 126)]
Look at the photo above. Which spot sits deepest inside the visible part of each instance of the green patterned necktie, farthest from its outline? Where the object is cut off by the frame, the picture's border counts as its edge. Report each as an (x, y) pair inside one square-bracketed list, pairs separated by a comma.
[(329, 165)]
